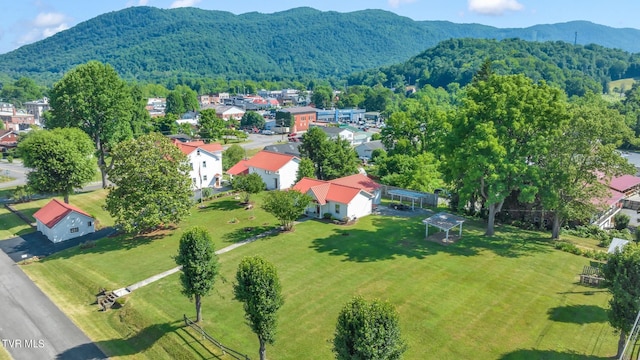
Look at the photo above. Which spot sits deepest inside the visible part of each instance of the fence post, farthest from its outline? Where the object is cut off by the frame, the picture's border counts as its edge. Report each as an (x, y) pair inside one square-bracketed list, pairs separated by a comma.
[(185, 320)]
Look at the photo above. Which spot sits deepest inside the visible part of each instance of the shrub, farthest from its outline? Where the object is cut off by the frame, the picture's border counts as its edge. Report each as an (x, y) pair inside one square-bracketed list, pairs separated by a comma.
[(327, 216), (87, 245), (621, 221)]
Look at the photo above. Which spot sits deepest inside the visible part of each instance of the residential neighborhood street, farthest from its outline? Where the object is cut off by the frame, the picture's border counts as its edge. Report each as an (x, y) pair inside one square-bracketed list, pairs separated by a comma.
[(31, 326), (14, 170)]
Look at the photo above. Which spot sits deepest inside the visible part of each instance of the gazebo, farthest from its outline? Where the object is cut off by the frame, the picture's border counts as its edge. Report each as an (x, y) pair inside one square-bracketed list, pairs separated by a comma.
[(444, 221)]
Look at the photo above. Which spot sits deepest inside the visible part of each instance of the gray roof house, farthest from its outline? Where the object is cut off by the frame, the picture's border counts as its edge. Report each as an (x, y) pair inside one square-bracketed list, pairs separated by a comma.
[(288, 149), (364, 150)]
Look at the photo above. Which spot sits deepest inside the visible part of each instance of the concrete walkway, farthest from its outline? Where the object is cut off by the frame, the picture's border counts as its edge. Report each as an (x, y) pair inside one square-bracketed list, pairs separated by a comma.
[(139, 284)]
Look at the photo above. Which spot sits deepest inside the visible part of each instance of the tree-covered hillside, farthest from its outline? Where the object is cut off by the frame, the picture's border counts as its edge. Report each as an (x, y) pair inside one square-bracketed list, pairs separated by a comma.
[(575, 68), (150, 44)]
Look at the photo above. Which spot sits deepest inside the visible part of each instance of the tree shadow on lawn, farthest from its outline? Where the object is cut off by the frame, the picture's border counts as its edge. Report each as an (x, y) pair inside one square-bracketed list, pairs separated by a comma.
[(393, 237), (247, 232), (134, 344), (578, 314), (224, 204), (523, 354), (108, 244)]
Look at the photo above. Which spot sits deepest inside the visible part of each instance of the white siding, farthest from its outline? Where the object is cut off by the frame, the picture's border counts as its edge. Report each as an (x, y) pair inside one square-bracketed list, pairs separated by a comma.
[(281, 179), (61, 231), (360, 206), (213, 162)]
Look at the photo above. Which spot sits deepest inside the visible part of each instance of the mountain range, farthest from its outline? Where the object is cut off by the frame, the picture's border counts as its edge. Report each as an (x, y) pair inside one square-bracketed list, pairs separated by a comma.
[(151, 44)]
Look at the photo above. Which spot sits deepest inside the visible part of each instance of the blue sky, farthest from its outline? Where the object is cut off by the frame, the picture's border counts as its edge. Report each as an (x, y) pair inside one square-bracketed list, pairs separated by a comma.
[(27, 21)]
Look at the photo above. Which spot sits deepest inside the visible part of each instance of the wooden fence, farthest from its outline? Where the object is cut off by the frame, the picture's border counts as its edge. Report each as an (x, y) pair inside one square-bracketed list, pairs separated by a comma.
[(225, 350)]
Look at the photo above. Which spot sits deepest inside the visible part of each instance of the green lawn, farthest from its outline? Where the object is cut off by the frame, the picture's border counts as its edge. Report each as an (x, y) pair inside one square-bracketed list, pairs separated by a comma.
[(92, 202), (508, 297), (4, 178), (12, 225)]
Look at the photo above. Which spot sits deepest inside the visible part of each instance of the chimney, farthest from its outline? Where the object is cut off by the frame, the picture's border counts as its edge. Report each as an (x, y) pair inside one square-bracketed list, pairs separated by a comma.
[(14, 111)]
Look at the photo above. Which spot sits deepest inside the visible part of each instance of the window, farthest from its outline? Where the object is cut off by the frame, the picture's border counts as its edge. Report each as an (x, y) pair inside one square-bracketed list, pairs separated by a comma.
[(337, 208), (204, 164), (204, 177), (193, 180), (191, 164), (198, 152), (267, 172), (74, 230), (89, 223)]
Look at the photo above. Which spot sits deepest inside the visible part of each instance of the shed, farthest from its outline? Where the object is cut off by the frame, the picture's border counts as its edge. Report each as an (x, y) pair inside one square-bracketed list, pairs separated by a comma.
[(59, 221), (617, 244), (443, 221)]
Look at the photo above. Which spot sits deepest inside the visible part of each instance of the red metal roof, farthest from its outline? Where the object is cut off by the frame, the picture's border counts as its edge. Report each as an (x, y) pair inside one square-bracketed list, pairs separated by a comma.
[(268, 160), (359, 181), (324, 191), (189, 147), (624, 183), (239, 168), (55, 211)]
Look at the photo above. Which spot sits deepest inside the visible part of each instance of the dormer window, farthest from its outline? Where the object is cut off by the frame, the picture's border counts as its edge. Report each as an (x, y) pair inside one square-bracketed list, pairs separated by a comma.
[(198, 152)]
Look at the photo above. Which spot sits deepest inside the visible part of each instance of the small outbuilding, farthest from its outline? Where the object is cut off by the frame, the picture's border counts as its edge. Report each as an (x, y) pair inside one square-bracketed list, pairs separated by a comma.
[(617, 244), (59, 221)]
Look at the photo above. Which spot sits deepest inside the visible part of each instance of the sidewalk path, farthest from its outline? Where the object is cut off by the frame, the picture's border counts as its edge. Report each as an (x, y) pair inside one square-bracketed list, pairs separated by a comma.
[(139, 284)]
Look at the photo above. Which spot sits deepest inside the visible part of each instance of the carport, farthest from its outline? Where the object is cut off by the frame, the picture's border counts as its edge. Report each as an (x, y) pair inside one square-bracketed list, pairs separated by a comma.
[(407, 194)]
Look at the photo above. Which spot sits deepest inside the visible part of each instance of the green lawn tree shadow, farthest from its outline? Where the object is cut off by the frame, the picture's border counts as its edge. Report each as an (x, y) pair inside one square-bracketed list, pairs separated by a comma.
[(108, 244), (392, 236), (578, 314), (224, 205), (144, 339), (532, 354)]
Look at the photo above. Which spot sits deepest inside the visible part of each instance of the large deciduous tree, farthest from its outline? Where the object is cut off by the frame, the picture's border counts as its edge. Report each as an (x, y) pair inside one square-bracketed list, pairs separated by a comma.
[(232, 155), (60, 160), (368, 330), (253, 120), (583, 158), (622, 272), (286, 206), (258, 288), (210, 126), (152, 184), (502, 128), (338, 159), (199, 264), (313, 141), (92, 97), (305, 169)]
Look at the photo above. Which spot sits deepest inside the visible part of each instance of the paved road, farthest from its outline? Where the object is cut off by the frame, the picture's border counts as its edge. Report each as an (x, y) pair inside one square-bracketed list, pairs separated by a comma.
[(31, 326), (14, 170)]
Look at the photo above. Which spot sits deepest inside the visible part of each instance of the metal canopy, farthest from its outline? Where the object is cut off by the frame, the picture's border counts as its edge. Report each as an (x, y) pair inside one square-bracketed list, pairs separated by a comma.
[(407, 194), (444, 221)]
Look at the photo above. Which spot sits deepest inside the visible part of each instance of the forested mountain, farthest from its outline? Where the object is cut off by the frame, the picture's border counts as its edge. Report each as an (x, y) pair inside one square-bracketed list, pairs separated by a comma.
[(575, 68), (147, 43)]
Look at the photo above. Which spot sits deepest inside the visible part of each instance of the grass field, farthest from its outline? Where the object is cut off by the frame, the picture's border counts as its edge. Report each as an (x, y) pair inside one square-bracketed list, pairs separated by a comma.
[(12, 225), (508, 297), (620, 85), (4, 354)]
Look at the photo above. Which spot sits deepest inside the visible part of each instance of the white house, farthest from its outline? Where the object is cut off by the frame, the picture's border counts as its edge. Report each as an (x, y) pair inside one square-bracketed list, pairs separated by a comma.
[(336, 132), (59, 221), (278, 171), (365, 150), (340, 201), (205, 161), (229, 112)]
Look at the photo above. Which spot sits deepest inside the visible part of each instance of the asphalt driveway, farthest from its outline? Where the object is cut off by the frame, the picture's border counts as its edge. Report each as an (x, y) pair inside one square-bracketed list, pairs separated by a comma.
[(36, 244), (31, 326)]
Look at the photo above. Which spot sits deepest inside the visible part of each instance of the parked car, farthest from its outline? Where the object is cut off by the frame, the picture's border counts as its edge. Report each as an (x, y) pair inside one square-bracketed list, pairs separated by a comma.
[(267, 132)]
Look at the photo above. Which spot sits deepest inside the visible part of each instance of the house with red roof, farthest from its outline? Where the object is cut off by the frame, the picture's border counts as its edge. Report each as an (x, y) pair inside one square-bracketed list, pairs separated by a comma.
[(241, 168), (205, 160), (8, 140), (59, 221), (347, 197), (627, 184), (278, 171)]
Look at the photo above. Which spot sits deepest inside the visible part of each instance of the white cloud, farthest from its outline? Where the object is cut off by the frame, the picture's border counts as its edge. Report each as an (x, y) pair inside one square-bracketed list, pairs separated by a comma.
[(42, 26), (396, 3), (143, 2), (48, 19), (46, 32), (494, 7), (183, 3)]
